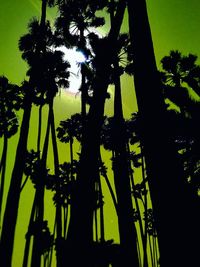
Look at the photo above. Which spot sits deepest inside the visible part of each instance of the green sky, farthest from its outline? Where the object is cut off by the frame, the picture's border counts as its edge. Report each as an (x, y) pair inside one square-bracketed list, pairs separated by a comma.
[(175, 24)]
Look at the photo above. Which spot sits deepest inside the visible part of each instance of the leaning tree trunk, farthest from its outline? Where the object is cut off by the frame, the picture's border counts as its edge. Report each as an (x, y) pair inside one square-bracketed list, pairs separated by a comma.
[(80, 233), (127, 230), (12, 204), (39, 201), (38, 213), (58, 189), (175, 209), (3, 172)]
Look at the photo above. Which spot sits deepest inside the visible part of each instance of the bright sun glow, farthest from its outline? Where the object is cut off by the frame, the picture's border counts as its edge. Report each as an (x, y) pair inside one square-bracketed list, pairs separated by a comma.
[(74, 57)]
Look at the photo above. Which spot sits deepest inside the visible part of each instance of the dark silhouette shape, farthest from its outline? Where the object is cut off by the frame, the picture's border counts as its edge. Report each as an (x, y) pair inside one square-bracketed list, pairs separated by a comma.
[(169, 192), (127, 230), (181, 77), (168, 144), (82, 212)]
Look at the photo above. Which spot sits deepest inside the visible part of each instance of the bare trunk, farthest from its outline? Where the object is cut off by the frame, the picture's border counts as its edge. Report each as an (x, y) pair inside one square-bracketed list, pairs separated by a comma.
[(3, 173), (39, 198), (58, 203), (127, 230)]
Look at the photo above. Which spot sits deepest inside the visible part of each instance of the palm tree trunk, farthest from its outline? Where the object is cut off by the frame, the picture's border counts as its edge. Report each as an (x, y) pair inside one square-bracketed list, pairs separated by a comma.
[(12, 204), (40, 189), (39, 195), (127, 230), (3, 172), (109, 185), (34, 206), (58, 203), (28, 235), (145, 209), (83, 79), (169, 192), (33, 212), (39, 128), (102, 228)]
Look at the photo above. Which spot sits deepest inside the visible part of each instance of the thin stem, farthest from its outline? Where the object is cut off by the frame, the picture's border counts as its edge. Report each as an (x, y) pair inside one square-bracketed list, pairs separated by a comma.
[(24, 183), (3, 173)]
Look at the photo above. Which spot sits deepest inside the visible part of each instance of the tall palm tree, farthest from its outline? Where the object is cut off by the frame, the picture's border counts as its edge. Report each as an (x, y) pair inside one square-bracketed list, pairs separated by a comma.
[(82, 211), (40, 79), (127, 230), (169, 193), (55, 75)]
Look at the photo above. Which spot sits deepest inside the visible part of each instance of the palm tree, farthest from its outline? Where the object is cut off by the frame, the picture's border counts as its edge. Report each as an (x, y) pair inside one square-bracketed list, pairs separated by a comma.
[(127, 230), (69, 129), (82, 211), (40, 79), (169, 193), (181, 78), (54, 76)]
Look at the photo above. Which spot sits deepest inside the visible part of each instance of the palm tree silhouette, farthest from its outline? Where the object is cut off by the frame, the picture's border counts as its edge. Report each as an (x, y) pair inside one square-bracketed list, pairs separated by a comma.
[(69, 129), (52, 72), (127, 229), (167, 144), (56, 67), (180, 76), (82, 212)]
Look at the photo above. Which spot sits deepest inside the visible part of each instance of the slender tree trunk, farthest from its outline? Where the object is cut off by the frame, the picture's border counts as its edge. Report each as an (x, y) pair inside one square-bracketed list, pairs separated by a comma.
[(174, 206), (28, 235), (33, 212), (102, 228), (39, 128), (40, 188), (39, 195), (145, 209), (3, 173), (12, 204), (127, 230), (109, 186), (83, 78), (58, 203)]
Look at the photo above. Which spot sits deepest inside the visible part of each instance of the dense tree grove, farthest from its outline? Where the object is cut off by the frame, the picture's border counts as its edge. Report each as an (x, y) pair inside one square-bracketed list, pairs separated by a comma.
[(153, 175)]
